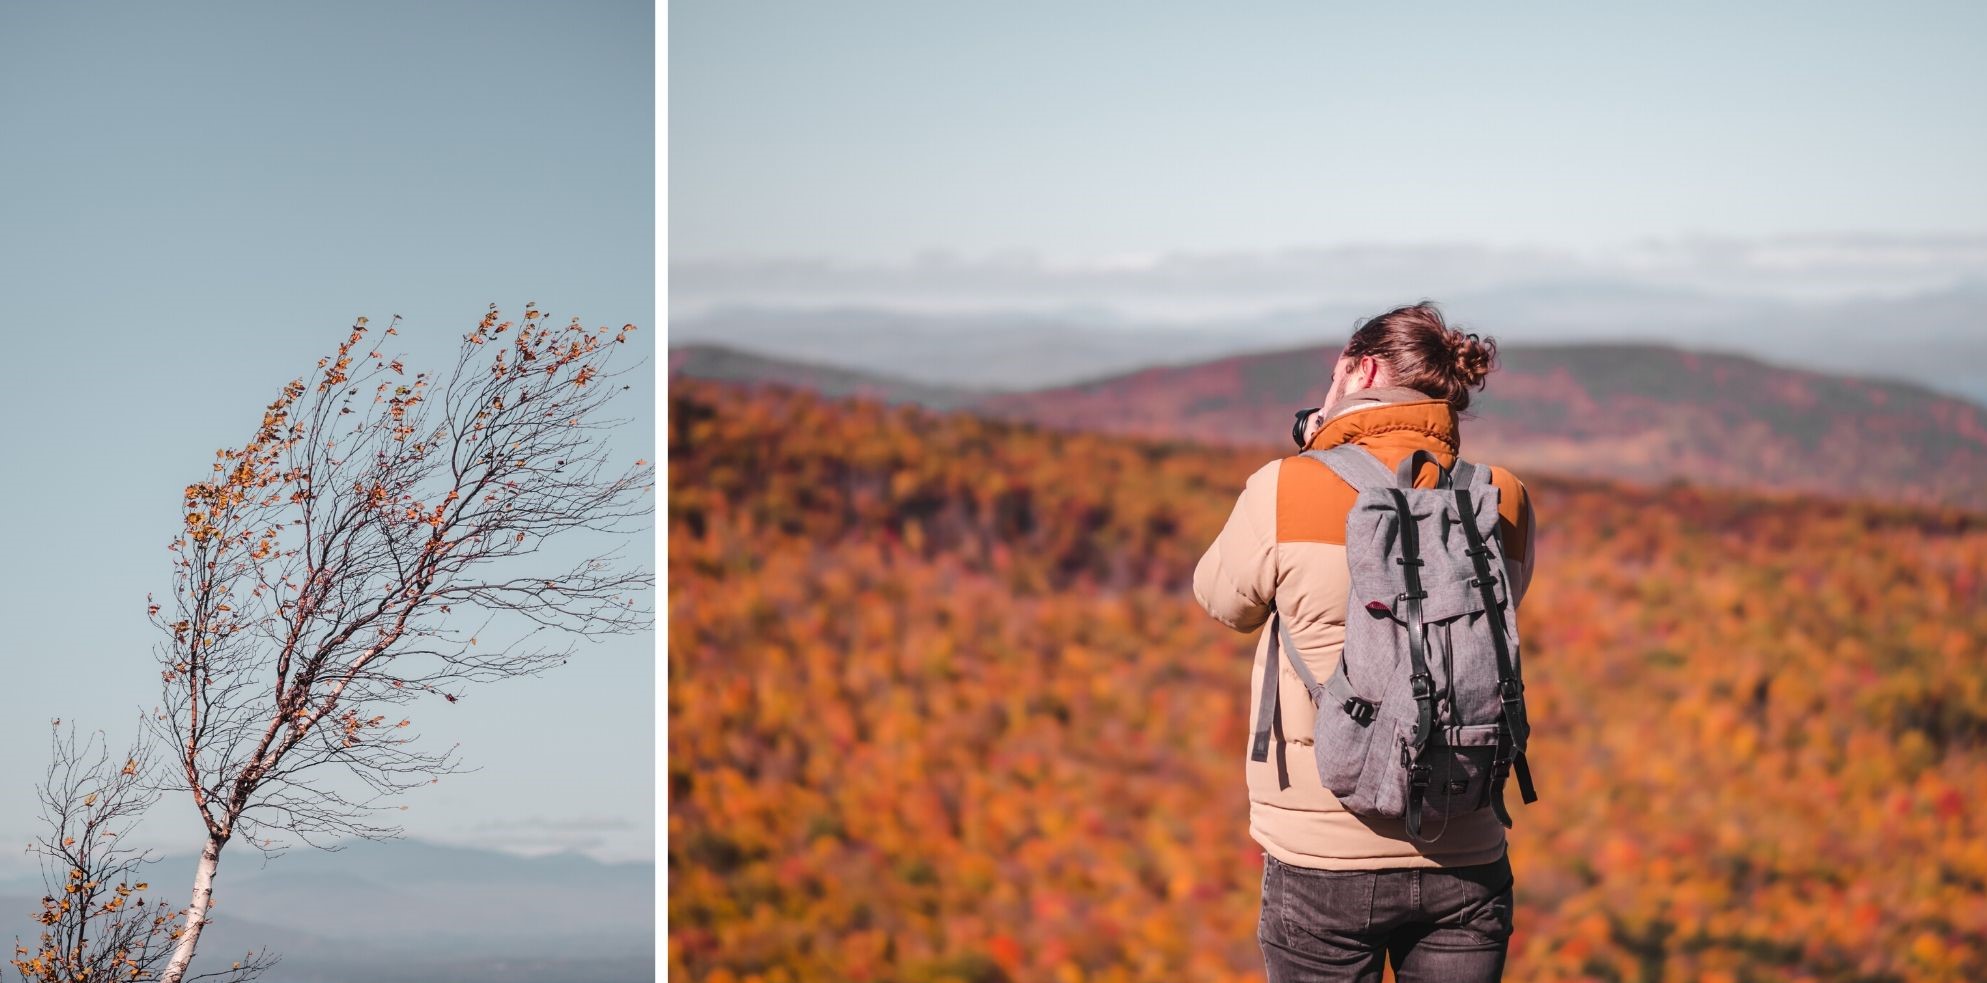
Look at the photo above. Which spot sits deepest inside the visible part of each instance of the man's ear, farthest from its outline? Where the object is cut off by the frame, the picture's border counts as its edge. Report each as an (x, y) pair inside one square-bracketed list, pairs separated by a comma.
[(1363, 372)]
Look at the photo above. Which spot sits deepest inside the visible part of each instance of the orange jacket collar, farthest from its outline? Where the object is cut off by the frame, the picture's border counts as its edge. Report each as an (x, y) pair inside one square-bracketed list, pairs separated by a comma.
[(1403, 417)]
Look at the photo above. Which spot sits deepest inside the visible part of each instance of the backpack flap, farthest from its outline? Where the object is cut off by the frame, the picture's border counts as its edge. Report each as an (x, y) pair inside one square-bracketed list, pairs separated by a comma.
[(1455, 598), (1445, 600)]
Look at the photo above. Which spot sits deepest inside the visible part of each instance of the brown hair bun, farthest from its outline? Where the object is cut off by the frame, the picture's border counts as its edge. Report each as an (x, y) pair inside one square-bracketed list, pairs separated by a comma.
[(1422, 352), (1474, 357)]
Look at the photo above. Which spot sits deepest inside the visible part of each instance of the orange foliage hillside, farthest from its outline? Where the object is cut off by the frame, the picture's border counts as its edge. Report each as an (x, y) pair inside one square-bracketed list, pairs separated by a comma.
[(942, 708)]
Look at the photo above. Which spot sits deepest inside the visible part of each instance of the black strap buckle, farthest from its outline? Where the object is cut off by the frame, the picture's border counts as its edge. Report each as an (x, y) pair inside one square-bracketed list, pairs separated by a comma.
[(1360, 710), (1510, 690), (1423, 684)]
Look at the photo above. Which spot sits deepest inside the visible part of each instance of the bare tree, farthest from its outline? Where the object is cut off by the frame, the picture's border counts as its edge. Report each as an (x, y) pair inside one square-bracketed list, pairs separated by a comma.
[(96, 923), (324, 568)]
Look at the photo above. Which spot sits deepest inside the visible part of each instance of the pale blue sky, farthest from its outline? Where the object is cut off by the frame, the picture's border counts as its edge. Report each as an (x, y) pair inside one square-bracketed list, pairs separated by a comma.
[(200, 197), (871, 131)]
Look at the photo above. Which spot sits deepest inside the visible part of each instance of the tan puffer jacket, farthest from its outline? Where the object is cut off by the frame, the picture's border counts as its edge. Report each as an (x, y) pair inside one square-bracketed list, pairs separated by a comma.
[(1285, 543)]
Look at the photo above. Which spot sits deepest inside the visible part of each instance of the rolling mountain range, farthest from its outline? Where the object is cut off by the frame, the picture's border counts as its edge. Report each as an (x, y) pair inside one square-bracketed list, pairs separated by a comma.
[(1050, 333), (1642, 413), (722, 364), (408, 911)]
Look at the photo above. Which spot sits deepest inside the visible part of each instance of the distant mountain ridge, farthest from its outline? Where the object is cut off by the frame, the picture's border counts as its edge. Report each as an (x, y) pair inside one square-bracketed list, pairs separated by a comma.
[(411, 911), (1645, 413), (1047, 336), (723, 364)]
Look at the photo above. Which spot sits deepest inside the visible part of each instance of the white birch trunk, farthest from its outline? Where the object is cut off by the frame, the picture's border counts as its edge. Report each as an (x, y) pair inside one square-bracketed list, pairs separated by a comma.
[(196, 912)]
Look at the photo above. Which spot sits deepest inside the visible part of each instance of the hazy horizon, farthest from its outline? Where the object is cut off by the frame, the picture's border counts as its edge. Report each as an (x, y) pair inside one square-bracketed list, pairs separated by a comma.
[(1904, 309)]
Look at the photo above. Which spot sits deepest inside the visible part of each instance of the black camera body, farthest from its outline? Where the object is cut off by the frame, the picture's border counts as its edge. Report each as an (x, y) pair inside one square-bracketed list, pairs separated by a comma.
[(1303, 421)]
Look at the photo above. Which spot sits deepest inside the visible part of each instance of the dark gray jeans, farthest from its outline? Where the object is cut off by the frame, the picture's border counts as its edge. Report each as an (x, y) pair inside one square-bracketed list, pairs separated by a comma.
[(1438, 924)]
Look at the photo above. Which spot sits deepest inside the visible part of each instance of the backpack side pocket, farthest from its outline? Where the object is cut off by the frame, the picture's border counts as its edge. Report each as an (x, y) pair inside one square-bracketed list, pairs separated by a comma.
[(1343, 743)]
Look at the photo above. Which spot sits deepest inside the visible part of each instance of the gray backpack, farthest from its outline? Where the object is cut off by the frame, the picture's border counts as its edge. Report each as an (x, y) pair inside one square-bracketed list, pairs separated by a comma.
[(1425, 715)]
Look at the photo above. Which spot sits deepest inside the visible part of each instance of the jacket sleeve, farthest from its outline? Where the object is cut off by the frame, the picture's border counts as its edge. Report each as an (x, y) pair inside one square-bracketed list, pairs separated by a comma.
[(1527, 530), (1236, 578)]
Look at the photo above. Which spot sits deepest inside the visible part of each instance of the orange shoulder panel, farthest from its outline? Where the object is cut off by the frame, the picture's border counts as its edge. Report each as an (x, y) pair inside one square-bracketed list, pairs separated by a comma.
[(1312, 502)]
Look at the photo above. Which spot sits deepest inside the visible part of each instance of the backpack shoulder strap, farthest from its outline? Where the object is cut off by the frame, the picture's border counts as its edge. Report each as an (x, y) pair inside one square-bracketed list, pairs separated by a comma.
[(1267, 709), (1404, 475), (1510, 685), (1356, 465), (1296, 660), (1467, 474), (1475, 478)]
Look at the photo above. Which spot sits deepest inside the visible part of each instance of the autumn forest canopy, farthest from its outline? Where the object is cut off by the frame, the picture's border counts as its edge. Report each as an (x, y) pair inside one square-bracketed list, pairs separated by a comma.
[(942, 707)]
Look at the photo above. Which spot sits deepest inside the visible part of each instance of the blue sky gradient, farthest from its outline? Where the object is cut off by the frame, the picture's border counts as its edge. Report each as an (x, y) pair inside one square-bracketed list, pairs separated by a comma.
[(200, 199), (873, 131)]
